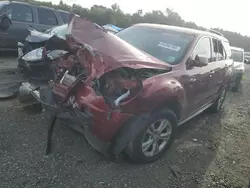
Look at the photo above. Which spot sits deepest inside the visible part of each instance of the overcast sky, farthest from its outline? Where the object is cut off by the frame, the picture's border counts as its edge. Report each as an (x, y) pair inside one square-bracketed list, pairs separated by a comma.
[(226, 14)]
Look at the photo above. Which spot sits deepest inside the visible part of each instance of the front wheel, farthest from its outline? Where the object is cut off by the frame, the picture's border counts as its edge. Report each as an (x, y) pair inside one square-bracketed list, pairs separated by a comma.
[(154, 140)]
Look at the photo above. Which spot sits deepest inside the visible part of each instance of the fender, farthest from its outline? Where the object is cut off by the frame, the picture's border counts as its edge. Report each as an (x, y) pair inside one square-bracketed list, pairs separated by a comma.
[(155, 94)]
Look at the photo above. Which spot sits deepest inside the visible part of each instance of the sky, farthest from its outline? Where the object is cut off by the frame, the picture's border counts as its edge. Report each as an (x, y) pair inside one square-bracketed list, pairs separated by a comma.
[(229, 15)]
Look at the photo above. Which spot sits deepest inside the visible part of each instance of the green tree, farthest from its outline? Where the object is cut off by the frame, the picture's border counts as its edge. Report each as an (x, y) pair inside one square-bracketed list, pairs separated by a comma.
[(114, 15)]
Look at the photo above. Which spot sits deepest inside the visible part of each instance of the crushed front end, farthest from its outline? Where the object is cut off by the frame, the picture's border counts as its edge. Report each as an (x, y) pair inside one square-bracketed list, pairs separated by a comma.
[(101, 100)]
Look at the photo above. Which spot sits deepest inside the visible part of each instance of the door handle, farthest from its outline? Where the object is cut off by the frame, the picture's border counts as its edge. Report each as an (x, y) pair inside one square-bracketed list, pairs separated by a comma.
[(210, 75)]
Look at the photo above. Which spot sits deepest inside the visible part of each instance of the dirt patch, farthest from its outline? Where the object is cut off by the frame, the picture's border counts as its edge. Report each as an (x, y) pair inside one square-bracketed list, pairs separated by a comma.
[(231, 166)]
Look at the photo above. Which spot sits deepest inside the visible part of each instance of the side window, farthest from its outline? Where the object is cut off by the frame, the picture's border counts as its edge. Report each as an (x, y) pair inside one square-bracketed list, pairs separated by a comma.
[(64, 16), (46, 17), (19, 12), (219, 52), (203, 48), (227, 49)]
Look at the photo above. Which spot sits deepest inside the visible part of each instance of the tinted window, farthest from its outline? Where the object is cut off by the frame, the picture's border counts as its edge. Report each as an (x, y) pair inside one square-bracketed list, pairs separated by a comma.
[(237, 55), (64, 16), (203, 48), (46, 16), (19, 12), (166, 45), (219, 52)]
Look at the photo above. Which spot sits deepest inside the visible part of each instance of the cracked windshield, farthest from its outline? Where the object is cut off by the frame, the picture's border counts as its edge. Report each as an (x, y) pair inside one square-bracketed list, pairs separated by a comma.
[(113, 93)]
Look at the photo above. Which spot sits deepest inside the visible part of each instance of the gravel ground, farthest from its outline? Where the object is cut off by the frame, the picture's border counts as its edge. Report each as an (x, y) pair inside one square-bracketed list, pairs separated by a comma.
[(211, 150)]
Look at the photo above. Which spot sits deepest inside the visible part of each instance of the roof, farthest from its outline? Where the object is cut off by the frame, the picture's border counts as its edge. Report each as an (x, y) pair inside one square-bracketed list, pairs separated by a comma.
[(182, 30), (26, 3), (236, 48)]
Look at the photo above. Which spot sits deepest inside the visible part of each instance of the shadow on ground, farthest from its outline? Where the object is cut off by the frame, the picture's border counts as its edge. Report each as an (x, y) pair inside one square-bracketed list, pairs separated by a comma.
[(73, 163)]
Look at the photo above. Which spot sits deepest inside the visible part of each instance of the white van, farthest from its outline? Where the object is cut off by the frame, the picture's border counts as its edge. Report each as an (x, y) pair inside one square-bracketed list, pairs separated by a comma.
[(238, 56)]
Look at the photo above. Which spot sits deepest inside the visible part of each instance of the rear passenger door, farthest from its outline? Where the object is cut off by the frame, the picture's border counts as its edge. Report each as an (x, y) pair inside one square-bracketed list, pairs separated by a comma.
[(219, 66), (22, 16), (46, 19)]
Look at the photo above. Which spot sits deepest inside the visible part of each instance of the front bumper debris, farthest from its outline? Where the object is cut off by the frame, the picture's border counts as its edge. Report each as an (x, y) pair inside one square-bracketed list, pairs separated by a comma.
[(76, 119), (10, 82)]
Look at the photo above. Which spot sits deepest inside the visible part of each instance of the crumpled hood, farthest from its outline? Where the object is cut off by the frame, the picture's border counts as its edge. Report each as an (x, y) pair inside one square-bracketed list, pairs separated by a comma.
[(36, 36), (114, 52)]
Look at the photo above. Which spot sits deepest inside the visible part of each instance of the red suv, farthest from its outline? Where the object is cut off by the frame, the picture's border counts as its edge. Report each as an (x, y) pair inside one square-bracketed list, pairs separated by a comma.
[(148, 80)]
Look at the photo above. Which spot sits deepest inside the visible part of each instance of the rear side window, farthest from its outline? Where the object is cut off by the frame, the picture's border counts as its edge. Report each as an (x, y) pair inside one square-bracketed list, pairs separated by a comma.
[(219, 52), (227, 48), (64, 16), (46, 16), (19, 12)]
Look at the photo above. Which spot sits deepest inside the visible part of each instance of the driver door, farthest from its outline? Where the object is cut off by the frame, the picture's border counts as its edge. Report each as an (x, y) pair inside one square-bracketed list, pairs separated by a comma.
[(196, 82)]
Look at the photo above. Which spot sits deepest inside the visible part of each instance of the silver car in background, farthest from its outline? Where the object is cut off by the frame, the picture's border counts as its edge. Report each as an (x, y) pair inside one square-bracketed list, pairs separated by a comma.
[(238, 56)]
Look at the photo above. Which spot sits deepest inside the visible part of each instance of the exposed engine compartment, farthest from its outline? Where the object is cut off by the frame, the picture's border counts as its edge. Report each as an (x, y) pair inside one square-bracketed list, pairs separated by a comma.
[(122, 84)]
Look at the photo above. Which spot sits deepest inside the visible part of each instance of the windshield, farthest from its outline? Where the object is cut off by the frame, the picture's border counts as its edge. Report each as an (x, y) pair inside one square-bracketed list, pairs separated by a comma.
[(237, 55), (60, 31), (168, 46)]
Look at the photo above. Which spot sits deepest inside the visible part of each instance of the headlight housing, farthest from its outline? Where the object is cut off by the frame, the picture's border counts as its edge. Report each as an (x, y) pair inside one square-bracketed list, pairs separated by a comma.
[(34, 55)]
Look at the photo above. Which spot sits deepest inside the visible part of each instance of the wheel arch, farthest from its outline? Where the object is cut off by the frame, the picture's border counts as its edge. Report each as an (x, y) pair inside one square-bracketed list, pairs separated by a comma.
[(131, 128), (173, 103)]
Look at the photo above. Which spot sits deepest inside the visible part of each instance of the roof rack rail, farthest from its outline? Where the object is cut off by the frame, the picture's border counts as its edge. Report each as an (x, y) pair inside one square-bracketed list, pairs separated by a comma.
[(215, 32)]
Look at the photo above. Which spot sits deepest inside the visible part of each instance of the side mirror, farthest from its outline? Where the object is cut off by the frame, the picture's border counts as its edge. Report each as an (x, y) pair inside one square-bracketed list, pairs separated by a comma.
[(202, 60), (5, 22), (199, 61)]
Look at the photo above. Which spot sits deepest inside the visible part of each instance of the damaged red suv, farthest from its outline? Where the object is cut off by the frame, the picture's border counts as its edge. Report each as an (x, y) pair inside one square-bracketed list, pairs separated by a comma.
[(140, 85)]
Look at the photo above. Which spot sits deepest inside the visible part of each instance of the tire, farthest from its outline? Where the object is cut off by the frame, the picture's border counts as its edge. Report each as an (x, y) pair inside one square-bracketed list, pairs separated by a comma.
[(135, 149), (216, 107)]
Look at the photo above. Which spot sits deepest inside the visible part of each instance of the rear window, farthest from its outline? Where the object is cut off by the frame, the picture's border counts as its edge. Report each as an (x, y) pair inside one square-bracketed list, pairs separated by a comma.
[(166, 45), (46, 17), (64, 16), (237, 55)]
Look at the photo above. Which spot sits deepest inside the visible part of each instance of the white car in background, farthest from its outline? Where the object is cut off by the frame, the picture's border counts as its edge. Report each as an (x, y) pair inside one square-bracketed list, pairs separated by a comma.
[(247, 57), (238, 56)]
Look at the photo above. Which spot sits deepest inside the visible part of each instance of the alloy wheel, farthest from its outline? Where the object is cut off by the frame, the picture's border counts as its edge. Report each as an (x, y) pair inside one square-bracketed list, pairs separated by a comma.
[(156, 137)]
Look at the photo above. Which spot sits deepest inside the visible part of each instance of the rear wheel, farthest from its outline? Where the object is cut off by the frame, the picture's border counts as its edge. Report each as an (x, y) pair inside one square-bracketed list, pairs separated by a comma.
[(154, 140), (216, 107)]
